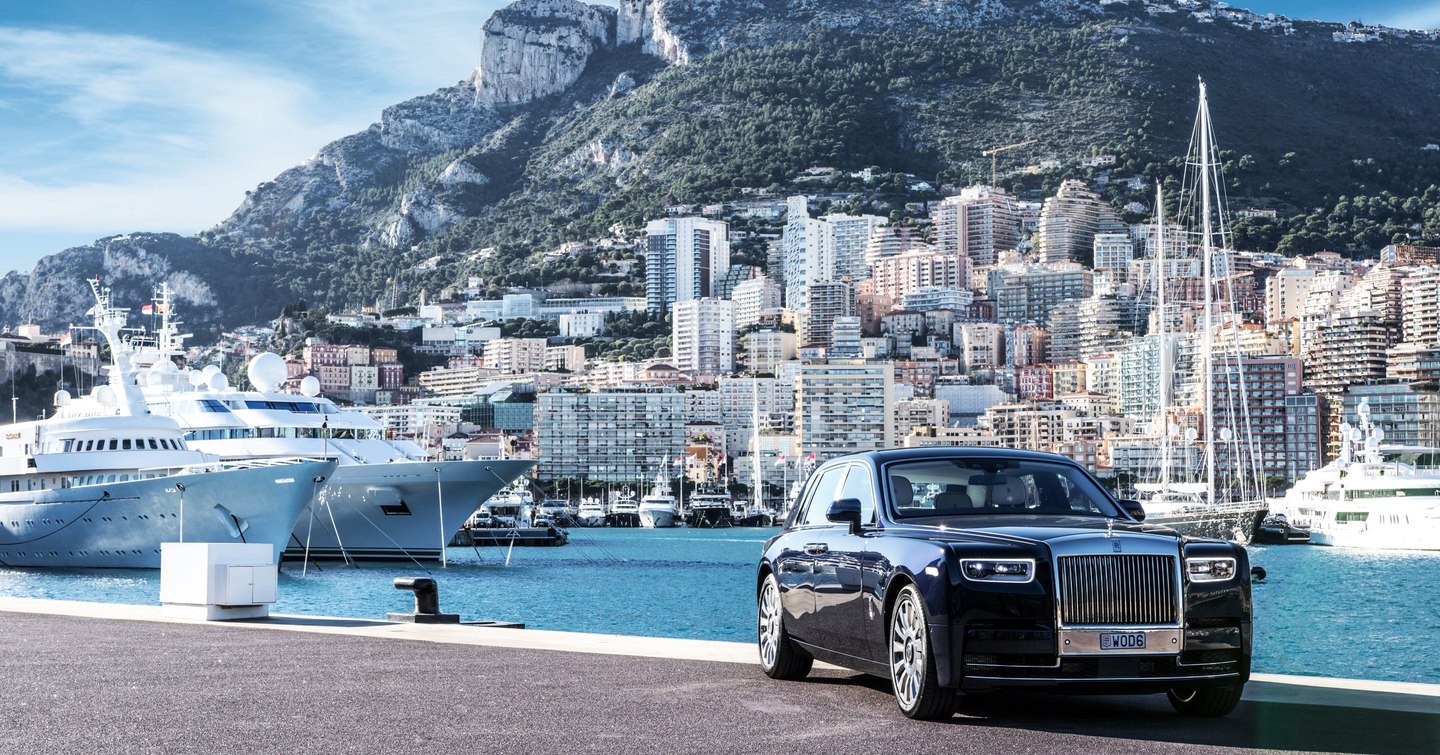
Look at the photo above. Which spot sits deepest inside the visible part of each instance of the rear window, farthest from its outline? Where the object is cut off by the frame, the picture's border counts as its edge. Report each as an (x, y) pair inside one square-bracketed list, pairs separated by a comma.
[(959, 487)]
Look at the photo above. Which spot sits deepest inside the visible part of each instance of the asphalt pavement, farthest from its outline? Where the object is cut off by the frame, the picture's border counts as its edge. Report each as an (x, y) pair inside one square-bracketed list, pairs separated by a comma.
[(82, 685)]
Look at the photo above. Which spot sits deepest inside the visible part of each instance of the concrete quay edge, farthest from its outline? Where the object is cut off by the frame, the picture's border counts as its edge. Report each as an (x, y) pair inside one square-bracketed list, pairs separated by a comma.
[(1411, 697)]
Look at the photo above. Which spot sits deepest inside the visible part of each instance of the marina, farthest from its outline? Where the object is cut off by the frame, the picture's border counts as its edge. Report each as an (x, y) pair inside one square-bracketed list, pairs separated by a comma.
[(699, 584)]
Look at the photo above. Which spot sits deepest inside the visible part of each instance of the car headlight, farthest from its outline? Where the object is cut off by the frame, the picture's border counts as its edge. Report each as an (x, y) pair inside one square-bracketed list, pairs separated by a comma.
[(1210, 569), (998, 570)]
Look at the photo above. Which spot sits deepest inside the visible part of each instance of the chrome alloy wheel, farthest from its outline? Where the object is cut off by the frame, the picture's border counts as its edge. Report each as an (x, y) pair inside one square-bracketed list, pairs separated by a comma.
[(907, 650), (769, 623)]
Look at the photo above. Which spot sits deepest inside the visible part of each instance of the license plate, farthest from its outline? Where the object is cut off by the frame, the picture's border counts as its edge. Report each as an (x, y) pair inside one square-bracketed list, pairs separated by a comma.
[(1122, 641)]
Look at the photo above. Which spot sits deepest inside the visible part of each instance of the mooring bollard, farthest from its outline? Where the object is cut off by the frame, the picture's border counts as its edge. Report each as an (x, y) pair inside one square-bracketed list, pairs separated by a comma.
[(427, 603)]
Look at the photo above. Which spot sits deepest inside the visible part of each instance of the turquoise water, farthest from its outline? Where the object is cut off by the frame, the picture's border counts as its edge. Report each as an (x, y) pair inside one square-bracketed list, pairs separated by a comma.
[(1321, 612)]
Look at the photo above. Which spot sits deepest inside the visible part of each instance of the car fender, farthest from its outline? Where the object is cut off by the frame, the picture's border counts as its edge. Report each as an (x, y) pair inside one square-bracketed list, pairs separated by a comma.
[(928, 569)]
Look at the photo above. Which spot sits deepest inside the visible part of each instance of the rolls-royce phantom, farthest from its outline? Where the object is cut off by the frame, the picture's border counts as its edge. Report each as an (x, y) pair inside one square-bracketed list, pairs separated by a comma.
[(965, 569)]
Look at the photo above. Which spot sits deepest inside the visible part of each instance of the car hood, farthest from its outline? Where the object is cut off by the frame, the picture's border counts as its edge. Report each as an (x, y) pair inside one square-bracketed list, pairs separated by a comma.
[(1029, 529)]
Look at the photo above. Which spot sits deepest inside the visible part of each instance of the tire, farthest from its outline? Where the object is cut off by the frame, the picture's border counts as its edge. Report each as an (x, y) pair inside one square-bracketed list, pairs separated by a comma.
[(912, 664), (779, 658), (1206, 702)]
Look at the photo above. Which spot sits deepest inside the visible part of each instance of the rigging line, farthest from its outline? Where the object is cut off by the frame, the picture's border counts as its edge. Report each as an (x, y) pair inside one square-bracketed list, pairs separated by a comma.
[(399, 547)]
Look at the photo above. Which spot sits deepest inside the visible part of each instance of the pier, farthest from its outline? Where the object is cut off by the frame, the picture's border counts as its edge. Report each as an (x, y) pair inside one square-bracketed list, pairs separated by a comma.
[(90, 677)]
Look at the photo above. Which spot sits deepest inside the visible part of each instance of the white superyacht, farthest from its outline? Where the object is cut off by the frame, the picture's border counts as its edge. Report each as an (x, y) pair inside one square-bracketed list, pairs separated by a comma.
[(103, 484), (1363, 500), (385, 500), (658, 510)]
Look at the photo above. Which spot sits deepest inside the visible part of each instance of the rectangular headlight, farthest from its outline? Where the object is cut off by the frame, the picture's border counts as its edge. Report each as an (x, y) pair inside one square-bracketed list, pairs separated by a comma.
[(998, 570), (1210, 569)]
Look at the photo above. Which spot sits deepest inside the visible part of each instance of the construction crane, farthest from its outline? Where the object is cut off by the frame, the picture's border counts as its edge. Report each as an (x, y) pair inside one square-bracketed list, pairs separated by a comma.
[(993, 151)]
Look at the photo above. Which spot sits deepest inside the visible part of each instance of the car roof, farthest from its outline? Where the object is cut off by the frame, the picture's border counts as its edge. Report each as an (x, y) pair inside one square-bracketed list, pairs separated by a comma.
[(951, 452)]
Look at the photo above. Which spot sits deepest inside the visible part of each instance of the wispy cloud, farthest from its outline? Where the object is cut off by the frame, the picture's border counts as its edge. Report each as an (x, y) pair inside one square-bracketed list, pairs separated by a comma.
[(420, 46), (1424, 16), (125, 133)]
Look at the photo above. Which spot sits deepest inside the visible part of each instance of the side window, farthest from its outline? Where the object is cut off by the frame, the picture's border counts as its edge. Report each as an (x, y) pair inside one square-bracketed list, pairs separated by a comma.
[(859, 485), (822, 494)]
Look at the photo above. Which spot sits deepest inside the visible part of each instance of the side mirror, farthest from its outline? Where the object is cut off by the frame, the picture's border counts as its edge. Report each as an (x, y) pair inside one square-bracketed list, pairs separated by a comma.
[(845, 510), (1133, 508)]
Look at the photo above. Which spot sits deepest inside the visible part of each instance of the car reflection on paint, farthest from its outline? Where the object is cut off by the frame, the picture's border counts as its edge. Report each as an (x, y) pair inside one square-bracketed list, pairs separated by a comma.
[(950, 570)]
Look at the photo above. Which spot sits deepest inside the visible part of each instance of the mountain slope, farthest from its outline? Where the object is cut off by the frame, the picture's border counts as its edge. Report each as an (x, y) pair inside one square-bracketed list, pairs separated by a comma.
[(584, 116)]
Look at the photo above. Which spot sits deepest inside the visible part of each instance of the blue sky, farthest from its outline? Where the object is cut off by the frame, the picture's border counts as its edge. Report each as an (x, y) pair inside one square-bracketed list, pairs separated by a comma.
[(158, 115)]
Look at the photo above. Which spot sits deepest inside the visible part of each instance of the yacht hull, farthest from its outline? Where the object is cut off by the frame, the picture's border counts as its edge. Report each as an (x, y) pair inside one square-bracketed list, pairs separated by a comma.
[(122, 524), (385, 512), (657, 518), (1237, 526)]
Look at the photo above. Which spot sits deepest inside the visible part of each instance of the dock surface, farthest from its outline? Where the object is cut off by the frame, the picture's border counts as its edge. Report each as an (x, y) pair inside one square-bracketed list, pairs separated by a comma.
[(86, 677)]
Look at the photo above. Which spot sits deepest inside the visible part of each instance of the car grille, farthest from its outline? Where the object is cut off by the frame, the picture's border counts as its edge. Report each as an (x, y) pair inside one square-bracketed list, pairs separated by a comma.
[(1118, 590)]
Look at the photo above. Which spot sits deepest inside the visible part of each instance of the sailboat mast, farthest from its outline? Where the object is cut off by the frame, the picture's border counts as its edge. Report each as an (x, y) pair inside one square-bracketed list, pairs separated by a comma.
[(755, 435), (1207, 256), (1162, 338)]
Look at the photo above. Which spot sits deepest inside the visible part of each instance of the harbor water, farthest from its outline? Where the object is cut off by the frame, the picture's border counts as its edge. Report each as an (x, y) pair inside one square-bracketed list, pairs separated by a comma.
[(1321, 611)]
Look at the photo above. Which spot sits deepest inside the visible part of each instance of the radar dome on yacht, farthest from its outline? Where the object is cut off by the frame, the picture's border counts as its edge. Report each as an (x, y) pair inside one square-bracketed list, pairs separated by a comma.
[(197, 378), (266, 372), (105, 395), (218, 382), (310, 386), (211, 369), (62, 398)]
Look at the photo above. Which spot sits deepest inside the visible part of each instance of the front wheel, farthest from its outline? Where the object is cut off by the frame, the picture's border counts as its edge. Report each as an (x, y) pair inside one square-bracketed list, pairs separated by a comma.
[(912, 664), (779, 658), (1207, 702)]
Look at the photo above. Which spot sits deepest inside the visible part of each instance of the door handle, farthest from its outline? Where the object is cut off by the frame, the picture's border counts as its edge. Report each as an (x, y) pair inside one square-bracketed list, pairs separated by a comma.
[(816, 549)]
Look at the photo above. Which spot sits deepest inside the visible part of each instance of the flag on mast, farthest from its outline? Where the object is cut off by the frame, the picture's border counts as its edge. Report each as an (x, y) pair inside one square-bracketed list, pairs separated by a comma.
[(780, 460)]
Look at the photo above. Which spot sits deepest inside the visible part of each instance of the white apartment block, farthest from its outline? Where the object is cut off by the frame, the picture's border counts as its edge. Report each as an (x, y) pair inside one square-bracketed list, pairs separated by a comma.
[(1113, 253), (845, 338), (457, 381), (570, 358), (927, 299), (1285, 293), (1420, 305), (1102, 374), (978, 224), (808, 253), (851, 235), (911, 414), (703, 335), (845, 406), (582, 324), (515, 356), (685, 258), (827, 302), (765, 350), (981, 345), (893, 240), (753, 298)]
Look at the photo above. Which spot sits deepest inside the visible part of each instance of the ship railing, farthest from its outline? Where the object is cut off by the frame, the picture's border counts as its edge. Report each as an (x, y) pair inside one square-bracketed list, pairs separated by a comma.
[(239, 464)]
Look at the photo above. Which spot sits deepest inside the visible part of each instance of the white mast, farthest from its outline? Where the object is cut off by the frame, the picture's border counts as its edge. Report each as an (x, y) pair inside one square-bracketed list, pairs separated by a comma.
[(1206, 166), (755, 435), (1165, 366)]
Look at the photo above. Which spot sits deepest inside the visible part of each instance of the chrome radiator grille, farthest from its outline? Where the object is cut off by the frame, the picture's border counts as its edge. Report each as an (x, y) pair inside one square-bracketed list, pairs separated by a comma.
[(1124, 589)]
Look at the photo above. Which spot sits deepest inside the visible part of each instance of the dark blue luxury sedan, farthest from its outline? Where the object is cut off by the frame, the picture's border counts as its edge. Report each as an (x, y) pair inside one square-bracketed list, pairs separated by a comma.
[(970, 569)]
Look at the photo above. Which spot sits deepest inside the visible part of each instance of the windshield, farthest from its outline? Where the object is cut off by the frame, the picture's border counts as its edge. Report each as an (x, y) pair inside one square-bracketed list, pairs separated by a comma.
[(957, 487)]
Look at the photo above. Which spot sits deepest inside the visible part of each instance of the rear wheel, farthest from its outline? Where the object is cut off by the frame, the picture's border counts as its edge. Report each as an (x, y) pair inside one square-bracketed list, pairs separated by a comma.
[(779, 658), (912, 664), (1207, 702)]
